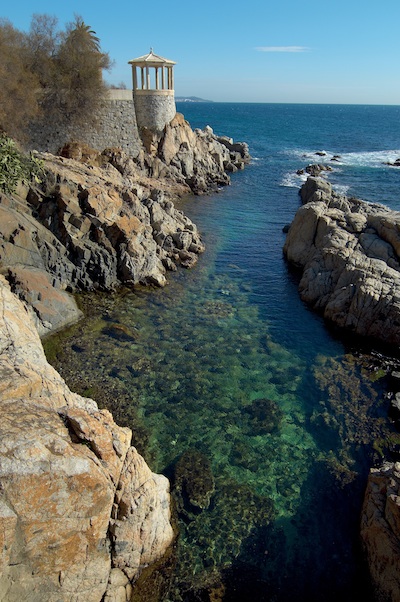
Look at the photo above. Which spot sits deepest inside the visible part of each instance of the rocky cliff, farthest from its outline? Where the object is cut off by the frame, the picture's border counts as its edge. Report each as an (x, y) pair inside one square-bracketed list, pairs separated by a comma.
[(80, 512), (102, 219), (349, 254)]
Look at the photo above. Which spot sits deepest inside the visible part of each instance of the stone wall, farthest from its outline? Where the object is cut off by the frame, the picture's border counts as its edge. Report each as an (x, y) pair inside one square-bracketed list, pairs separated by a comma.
[(154, 109), (117, 127)]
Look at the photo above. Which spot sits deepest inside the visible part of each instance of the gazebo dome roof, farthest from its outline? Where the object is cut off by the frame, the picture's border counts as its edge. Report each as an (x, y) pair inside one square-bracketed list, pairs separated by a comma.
[(151, 60)]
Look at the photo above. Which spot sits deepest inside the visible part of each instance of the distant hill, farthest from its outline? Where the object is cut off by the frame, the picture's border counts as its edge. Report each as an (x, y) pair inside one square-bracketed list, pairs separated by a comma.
[(191, 99)]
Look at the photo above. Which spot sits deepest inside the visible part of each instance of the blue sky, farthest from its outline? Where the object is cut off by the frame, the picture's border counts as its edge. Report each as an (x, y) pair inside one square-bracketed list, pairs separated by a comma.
[(254, 51)]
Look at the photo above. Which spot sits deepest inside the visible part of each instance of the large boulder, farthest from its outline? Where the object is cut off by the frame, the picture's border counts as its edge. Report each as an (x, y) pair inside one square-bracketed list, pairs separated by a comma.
[(80, 511), (348, 252), (198, 158)]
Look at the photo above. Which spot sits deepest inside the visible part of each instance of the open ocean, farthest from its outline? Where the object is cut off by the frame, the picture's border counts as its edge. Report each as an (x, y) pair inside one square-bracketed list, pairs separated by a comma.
[(230, 364)]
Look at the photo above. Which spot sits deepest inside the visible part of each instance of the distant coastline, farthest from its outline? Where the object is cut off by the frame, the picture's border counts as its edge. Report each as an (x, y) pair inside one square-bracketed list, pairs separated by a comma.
[(191, 99)]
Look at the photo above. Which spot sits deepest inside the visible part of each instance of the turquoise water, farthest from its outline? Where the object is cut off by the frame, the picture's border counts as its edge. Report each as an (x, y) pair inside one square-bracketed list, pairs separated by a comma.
[(225, 373)]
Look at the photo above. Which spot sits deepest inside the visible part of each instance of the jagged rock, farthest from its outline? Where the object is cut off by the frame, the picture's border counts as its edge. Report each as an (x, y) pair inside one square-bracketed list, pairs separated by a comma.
[(395, 163), (99, 220), (140, 516), (348, 251), (316, 168), (85, 228), (199, 156), (68, 477), (51, 308), (380, 530)]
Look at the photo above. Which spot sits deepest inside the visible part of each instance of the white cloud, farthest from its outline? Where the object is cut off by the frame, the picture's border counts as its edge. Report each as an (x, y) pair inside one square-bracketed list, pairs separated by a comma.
[(282, 48)]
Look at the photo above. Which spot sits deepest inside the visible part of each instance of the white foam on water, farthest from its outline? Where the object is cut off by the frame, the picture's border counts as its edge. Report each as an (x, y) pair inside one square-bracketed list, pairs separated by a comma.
[(374, 159), (293, 180), (341, 189), (371, 159)]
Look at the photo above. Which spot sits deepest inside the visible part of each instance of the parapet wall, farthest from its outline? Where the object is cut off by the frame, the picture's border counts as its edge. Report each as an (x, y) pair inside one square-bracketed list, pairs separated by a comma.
[(117, 126)]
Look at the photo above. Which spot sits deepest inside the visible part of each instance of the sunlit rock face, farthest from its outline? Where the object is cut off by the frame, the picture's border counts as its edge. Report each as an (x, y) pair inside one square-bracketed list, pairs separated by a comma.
[(348, 251), (80, 511), (102, 219)]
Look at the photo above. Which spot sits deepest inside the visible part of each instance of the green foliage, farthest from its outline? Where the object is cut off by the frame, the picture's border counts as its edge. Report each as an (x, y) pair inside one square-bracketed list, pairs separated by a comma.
[(75, 90), (19, 84), (16, 166), (49, 76)]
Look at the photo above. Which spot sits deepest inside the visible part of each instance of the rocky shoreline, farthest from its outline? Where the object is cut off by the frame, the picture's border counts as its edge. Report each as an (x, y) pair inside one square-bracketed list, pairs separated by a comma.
[(348, 253), (99, 220), (81, 513)]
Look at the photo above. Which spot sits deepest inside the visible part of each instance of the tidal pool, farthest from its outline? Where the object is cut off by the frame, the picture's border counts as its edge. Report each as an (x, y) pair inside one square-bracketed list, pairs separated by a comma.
[(283, 436)]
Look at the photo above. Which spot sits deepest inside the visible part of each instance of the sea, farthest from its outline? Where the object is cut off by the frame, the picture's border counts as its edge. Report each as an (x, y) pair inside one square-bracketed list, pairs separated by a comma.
[(265, 418)]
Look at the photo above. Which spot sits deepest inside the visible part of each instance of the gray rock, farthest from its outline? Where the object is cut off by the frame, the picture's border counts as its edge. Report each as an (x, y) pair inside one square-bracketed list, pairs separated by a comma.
[(348, 251)]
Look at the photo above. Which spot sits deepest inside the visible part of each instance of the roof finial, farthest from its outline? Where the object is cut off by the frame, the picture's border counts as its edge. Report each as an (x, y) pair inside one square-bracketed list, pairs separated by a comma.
[(151, 50)]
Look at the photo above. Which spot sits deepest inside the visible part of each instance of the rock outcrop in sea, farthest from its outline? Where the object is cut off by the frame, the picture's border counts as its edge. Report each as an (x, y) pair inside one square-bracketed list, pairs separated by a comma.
[(349, 253), (81, 513)]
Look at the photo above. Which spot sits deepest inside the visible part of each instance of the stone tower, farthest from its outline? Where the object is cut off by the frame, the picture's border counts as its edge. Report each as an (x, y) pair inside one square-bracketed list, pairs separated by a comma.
[(153, 91)]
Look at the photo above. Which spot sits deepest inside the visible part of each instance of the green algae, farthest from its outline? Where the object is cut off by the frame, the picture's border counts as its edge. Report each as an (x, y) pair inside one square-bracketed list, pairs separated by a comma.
[(193, 371)]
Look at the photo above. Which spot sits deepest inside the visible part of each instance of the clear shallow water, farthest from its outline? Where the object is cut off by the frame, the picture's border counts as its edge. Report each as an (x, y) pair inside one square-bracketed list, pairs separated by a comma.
[(228, 363)]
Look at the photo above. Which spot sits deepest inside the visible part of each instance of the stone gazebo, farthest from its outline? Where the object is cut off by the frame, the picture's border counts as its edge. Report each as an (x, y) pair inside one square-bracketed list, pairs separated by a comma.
[(153, 91)]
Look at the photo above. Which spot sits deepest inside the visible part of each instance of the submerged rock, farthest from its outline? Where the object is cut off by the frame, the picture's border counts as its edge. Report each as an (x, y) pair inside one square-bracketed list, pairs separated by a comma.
[(263, 416), (194, 482)]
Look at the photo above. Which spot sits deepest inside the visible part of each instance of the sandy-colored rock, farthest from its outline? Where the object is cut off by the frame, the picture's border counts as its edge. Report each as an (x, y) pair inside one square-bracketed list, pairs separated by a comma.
[(138, 501), (51, 307), (63, 466)]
